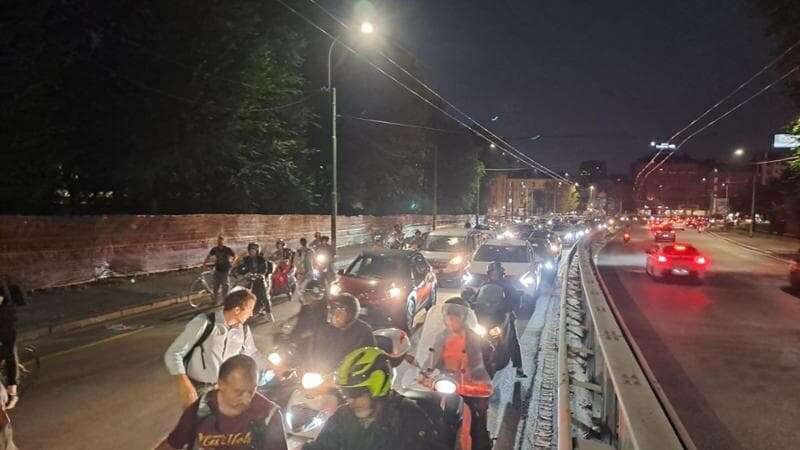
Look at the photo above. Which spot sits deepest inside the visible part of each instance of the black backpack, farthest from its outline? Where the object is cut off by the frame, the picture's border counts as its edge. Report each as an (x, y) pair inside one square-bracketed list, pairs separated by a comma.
[(206, 333)]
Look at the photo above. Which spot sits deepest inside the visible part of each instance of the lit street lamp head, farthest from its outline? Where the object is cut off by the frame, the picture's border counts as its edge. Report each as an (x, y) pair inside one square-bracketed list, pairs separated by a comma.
[(738, 152), (367, 28)]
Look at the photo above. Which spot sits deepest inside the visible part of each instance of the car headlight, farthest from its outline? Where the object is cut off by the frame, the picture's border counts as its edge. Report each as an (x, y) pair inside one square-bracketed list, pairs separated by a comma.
[(335, 290), (587, 231), (568, 236), (554, 248), (480, 330), (275, 358), (549, 265), (395, 292), (526, 280), (445, 386), (311, 380), (496, 332), (467, 277), (456, 260)]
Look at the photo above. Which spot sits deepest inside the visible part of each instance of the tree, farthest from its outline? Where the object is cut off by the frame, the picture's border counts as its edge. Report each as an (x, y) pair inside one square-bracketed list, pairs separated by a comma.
[(782, 18), (568, 199), (154, 106)]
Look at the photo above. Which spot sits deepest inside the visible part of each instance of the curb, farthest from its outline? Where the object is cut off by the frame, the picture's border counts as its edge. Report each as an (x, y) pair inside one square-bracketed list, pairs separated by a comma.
[(751, 248), (36, 333)]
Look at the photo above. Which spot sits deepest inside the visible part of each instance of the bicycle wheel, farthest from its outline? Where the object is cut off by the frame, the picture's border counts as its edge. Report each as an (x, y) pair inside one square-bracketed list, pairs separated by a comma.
[(199, 294)]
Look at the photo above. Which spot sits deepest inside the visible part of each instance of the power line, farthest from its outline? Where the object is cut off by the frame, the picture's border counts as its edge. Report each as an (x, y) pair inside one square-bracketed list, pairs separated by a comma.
[(726, 114), (509, 148), (715, 105), (405, 125), (403, 85)]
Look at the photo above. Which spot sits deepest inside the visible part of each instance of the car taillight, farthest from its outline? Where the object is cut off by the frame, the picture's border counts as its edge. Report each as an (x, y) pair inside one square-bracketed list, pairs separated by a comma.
[(662, 259), (700, 260)]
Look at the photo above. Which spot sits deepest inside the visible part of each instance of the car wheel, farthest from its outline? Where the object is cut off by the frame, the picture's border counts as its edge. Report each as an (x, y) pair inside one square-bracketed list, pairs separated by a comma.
[(411, 311)]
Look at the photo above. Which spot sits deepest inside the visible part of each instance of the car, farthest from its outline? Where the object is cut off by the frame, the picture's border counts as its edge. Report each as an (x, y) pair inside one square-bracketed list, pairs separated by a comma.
[(391, 285), (552, 238), (518, 259), (794, 273), (547, 252), (664, 234), (679, 260), (448, 251), (516, 231)]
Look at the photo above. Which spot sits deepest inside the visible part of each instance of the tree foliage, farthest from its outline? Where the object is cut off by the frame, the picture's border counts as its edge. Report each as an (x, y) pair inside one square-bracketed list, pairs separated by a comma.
[(152, 106), (783, 17)]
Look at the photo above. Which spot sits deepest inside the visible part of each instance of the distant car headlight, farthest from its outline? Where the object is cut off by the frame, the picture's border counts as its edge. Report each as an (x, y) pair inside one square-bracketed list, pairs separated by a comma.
[(467, 277), (335, 290), (526, 280), (549, 265), (456, 260), (587, 231), (395, 292)]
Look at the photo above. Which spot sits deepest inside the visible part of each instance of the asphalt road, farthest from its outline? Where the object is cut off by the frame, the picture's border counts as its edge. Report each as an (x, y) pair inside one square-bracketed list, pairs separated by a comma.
[(725, 352), (108, 388)]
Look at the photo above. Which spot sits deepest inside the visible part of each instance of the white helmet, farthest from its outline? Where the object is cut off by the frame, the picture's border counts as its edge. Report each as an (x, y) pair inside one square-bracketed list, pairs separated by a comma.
[(393, 341)]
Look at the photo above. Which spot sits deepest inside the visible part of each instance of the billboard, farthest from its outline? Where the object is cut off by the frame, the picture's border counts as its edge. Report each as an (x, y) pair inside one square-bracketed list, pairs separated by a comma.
[(786, 141)]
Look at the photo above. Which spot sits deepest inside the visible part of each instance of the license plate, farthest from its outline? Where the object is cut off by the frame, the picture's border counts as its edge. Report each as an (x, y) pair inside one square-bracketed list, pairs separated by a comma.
[(679, 271)]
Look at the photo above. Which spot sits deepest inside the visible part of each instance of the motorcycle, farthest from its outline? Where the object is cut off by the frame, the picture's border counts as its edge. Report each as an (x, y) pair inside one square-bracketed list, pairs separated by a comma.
[(626, 237), (322, 268)]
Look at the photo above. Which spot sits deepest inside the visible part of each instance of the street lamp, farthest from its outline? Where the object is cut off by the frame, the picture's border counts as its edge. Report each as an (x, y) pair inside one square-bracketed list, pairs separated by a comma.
[(738, 152), (366, 28)]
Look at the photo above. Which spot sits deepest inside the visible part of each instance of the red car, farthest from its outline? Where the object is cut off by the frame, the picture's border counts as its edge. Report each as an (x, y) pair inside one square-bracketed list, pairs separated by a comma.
[(663, 233), (679, 260), (391, 285)]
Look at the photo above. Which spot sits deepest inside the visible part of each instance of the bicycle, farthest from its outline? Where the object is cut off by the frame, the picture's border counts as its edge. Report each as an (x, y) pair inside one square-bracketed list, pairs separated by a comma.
[(200, 292)]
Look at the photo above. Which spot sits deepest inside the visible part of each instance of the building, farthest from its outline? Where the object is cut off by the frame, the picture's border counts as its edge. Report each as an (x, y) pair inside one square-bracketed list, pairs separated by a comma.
[(680, 184), (522, 193)]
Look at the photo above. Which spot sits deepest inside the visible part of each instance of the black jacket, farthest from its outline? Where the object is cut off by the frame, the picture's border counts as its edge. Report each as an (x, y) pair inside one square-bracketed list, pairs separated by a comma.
[(330, 345), (399, 425)]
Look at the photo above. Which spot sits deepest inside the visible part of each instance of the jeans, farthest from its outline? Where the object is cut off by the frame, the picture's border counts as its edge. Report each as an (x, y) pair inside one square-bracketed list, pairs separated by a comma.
[(220, 281)]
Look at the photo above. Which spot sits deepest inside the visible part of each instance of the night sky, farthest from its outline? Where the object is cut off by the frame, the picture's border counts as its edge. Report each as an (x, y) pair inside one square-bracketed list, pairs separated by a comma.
[(598, 80)]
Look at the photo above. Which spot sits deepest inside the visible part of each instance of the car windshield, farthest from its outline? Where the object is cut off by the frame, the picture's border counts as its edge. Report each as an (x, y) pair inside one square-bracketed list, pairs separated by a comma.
[(377, 267), (502, 253), (540, 234), (444, 243), (687, 250), (559, 227)]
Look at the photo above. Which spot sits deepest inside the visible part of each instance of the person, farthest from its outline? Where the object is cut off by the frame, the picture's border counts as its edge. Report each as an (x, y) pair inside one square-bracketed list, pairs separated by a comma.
[(223, 261), (417, 242), (304, 257), (233, 416), (374, 416), (194, 358), (396, 238), (458, 350), (497, 297), (325, 248), (317, 240), (342, 333), (6, 434), (282, 253), (8, 341), (255, 264), (468, 224)]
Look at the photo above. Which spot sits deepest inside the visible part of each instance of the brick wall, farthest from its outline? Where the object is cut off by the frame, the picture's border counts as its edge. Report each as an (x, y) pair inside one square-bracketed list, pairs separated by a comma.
[(43, 252)]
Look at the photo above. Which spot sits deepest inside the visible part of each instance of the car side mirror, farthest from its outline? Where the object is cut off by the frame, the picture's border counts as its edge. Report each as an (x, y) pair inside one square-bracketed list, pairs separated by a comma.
[(340, 272)]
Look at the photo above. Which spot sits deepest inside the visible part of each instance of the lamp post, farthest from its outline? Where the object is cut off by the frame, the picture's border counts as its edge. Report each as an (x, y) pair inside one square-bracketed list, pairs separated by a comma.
[(366, 28)]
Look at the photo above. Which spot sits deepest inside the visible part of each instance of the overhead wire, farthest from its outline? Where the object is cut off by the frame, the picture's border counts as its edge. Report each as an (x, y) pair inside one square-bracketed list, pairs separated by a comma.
[(508, 147), (404, 125), (715, 106), (726, 114)]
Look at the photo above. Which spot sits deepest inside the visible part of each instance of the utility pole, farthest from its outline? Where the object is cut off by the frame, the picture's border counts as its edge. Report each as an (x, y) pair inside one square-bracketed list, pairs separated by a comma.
[(435, 182), (478, 202), (334, 185)]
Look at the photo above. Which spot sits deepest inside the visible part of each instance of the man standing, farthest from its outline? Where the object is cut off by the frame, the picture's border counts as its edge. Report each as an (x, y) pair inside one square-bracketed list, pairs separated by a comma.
[(233, 416), (194, 358), (224, 257)]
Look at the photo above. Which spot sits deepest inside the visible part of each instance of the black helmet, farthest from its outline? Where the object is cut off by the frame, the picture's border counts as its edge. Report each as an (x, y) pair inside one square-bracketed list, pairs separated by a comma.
[(348, 303), (496, 267), (253, 246), (313, 291)]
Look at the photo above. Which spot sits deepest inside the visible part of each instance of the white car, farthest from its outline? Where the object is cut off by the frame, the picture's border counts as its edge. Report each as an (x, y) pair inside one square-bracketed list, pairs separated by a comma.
[(518, 259), (448, 251)]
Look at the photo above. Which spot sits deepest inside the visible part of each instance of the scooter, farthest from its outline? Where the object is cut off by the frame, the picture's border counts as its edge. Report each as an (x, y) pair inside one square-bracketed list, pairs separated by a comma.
[(282, 280)]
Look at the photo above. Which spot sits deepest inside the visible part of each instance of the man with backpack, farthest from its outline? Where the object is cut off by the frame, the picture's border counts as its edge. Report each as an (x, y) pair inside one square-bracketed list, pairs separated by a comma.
[(208, 340), (233, 416)]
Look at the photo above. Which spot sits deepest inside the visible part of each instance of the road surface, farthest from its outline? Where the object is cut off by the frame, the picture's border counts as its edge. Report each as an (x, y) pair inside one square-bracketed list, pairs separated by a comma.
[(108, 388), (726, 352)]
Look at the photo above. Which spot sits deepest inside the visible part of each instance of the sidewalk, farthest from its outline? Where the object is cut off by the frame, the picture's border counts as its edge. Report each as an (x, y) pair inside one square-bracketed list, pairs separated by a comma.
[(781, 247), (56, 311)]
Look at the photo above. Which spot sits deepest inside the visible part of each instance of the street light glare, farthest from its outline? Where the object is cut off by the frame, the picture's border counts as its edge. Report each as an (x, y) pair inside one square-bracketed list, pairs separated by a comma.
[(738, 152), (367, 28)]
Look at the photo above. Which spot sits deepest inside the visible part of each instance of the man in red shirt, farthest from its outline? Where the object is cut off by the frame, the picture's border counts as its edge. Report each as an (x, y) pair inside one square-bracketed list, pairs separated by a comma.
[(232, 417)]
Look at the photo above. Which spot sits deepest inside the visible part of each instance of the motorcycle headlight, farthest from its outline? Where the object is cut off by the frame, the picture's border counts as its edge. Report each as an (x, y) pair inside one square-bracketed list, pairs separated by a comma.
[(275, 358), (467, 277), (480, 330), (445, 386), (395, 292), (495, 332), (321, 259), (311, 380), (587, 231), (456, 260), (554, 248), (335, 290)]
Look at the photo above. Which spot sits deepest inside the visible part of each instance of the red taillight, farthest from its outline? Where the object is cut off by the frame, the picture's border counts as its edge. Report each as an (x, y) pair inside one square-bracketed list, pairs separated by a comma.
[(700, 260), (662, 259)]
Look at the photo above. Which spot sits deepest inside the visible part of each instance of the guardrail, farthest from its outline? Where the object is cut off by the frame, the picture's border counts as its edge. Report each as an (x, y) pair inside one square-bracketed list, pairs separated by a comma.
[(626, 411)]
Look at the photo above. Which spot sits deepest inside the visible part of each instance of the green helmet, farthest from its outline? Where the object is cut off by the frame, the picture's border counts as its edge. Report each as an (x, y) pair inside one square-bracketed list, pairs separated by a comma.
[(368, 369)]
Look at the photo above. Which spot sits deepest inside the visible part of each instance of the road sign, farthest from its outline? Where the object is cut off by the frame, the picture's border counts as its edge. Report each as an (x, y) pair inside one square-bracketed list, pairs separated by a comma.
[(786, 141)]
